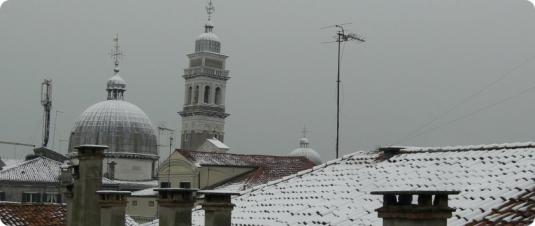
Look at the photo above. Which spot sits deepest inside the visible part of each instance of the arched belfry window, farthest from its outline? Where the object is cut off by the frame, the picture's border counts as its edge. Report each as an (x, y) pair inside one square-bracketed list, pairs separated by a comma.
[(207, 94), (196, 95), (188, 95), (217, 99)]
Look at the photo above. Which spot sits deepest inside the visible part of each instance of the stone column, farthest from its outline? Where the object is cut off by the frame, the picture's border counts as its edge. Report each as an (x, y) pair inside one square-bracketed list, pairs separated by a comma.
[(217, 207), (175, 205), (87, 181), (112, 207), (431, 208)]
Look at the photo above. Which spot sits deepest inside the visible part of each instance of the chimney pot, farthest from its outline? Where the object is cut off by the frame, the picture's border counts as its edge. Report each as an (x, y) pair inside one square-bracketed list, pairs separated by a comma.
[(408, 214), (175, 206), (217, 207), (112, 207)]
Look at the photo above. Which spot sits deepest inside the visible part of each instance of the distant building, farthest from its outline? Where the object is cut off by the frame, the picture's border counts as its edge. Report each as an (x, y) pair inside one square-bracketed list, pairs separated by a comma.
[(307, 152), (203, 114), (124, 128), (226, 171)]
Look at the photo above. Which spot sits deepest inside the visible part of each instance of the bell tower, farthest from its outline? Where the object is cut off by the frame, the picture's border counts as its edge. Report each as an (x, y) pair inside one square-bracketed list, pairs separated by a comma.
[(203, 114)]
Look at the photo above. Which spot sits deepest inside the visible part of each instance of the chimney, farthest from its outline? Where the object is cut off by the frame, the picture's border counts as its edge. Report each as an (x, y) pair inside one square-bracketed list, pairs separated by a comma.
[(217, 207), (66, 183), (87, 180), (431, 208), (175, 205), (112, 207), (390, 151)]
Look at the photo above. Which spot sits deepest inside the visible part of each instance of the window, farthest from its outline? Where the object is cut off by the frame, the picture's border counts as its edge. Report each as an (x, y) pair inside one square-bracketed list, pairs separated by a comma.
[(151, 203), (31, 197), (217, 99), (196, 95), (134, 203), (188, 95), (165, 185), (52, 198), (2, 196), (184, 184), (206, 94)]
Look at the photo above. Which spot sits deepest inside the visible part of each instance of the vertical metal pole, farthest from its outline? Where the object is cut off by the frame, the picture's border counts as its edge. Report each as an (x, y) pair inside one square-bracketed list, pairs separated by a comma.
[(338, 96)]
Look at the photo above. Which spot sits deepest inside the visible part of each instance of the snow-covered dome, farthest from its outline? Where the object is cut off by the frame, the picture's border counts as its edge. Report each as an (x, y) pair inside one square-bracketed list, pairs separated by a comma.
[(307, 152), (208, 41), (120, 125), (116, 82)]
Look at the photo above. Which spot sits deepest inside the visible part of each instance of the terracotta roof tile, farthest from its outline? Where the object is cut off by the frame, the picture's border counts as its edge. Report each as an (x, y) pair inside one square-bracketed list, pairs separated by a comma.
[(265, 167)]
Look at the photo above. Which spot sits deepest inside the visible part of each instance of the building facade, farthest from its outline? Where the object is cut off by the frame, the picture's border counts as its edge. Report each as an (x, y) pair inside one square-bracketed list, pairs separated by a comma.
[(203, 114)]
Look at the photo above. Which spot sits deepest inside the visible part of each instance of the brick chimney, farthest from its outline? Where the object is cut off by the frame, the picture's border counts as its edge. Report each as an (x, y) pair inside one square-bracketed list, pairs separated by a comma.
[(175, 206), (112, 207), (431, 208), (217, 207), (87, 181)]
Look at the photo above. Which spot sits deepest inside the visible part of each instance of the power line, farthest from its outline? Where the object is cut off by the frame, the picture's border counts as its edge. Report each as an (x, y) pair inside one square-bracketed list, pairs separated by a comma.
[(486, 107), (464, 100)]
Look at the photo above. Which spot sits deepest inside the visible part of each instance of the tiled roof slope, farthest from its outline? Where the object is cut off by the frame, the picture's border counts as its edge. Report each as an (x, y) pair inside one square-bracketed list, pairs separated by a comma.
[(39, 169), (17, 214), (338, 192), (516, 211), (266, 168)]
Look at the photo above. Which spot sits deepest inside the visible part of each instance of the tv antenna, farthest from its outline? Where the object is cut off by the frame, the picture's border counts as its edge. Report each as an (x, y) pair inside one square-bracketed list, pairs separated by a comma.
[(341, 36)]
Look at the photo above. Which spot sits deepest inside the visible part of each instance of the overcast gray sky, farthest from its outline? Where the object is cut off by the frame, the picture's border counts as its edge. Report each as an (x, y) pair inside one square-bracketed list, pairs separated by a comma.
[(421, 58)]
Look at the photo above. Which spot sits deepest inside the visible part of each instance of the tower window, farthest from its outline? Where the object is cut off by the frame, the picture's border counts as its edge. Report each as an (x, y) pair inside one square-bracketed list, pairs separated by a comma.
[(188, 95), (196, 95), (217, 98), (207, 94)]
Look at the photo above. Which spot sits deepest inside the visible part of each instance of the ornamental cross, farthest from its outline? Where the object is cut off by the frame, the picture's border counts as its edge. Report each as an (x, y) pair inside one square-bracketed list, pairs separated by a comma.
[(116, 52), (210, 9), (305, 131)]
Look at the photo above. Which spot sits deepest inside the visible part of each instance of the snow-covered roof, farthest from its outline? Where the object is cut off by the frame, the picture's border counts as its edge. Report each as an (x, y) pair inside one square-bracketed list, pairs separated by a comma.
[(39, 169), (264, 168), (32, 214), (10, 163), (145, 192), (218, 143), (338, 192)]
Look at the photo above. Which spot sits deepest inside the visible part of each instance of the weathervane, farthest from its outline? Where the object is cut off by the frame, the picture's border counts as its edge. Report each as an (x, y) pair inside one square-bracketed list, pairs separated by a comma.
[(116, 52), (210, 9)]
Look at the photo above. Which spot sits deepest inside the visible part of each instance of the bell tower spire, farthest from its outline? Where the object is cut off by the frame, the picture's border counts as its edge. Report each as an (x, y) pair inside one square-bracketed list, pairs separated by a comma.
[(203, 114)]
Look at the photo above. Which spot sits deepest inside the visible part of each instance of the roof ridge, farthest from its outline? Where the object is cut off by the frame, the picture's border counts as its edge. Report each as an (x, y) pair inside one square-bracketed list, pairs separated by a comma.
[(299, 174), (236, 154), (480, 147)]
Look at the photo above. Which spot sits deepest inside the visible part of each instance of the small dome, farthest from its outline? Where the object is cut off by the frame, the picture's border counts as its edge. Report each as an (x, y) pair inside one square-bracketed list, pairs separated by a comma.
[(308, 153), (116, 82), (208, 41), (120, 125)]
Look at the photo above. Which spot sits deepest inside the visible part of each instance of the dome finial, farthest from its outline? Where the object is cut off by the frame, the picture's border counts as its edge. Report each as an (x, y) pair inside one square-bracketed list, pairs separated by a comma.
[(303, 142), (116, 53), (210, 9)]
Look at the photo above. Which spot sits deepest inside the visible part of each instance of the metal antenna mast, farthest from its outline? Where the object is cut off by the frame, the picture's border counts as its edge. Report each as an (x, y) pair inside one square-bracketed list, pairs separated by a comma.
[(54, 129), (341, 36), (171, 132), (46, 101)]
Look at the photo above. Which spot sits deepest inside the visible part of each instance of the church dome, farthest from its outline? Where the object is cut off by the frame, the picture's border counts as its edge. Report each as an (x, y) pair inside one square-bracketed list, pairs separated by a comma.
[(306, 152), (120, 125), (208, 41)]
